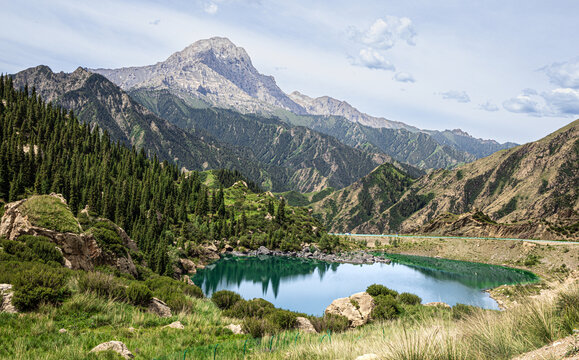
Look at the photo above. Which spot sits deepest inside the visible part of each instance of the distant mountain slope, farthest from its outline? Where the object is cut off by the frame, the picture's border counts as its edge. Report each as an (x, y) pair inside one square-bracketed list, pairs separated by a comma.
[(315, 160), (535, 184), (215, 72), (98, 101)]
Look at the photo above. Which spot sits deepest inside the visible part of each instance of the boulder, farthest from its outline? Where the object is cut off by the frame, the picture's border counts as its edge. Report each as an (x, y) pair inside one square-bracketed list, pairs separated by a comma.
[(63, 331), (304, 325), (262, 250), (6, 294), (356, 308), (188, 265), (175, 325), (368, 357), (116, 346), (236, 329), (158, 307), (439, 304)]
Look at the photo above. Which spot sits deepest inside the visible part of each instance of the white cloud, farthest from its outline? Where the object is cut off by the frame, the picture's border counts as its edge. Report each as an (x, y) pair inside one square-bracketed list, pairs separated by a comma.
[(488, 106), (372, 59), (383, 34), (211, 8), (565, 74), (155, 22), (460, 96), (560, 102), (404, 77)]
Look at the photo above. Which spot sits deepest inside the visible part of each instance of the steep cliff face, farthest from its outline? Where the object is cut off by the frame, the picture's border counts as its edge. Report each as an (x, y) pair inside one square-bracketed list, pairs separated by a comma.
[(537, 182), (80, 250)]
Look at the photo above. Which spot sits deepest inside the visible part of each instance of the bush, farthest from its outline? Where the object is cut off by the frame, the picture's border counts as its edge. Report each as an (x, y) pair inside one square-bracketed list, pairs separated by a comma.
[(256, 327), (259, 308), (102, 285), (409, 299), (193, 291), (39, 284), (225, 299), (386, 308), (377, 290), (139, 294), (44, 249), (567, 305), (460, 311), (283, 319), (332, 322)]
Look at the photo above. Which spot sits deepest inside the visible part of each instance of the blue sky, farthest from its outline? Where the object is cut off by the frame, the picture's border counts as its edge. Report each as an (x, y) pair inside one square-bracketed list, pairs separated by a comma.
[(507, 70)]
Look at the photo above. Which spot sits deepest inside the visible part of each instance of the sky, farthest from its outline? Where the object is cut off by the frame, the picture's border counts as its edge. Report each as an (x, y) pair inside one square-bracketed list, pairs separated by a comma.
[(504, 70)]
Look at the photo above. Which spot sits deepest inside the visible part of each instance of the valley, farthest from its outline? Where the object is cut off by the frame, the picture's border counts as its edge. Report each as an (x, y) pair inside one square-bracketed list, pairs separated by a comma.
[(192, 208)]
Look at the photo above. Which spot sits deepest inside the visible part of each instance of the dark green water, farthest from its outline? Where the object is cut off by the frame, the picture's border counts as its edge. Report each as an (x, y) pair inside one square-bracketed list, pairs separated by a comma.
[(309, 286)]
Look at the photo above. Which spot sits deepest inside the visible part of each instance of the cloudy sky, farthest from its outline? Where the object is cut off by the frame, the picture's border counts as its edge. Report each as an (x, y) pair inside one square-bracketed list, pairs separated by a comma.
[(507, 70)]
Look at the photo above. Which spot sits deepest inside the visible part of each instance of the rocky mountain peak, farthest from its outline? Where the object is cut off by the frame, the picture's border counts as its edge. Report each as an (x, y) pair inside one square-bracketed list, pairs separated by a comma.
[(220, 47)]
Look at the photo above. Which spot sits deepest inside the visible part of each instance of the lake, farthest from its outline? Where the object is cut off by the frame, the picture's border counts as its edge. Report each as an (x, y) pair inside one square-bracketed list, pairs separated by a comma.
[(309, 286)]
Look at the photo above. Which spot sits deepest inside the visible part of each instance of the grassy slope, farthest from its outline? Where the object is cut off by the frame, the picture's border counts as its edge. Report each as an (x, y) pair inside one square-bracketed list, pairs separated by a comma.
[(49, 212)]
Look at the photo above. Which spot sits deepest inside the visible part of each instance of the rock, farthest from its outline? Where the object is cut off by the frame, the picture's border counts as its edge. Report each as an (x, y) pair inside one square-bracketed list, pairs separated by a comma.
[(175, 325), (304, 325), (132, 329), (159, 308), (236, 329), (187, 280), (116, 346), (367, 357), (439, 304), (262, 250), (63, 331), (211, 247), (345, 307), (268, 217), (6, 294)]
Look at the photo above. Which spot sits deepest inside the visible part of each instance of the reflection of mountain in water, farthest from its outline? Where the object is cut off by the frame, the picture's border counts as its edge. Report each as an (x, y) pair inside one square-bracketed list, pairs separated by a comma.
[(261, 269), (475, 275)]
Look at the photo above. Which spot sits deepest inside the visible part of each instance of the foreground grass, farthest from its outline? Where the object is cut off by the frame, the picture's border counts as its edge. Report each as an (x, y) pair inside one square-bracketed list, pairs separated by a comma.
[(90, 321), (421, 333)]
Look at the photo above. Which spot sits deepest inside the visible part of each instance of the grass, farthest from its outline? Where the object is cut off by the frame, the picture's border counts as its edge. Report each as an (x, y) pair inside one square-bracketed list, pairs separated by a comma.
[(49, 212)]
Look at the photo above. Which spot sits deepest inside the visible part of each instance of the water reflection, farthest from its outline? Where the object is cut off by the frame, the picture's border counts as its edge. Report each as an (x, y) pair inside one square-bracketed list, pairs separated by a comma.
[(309, 286)]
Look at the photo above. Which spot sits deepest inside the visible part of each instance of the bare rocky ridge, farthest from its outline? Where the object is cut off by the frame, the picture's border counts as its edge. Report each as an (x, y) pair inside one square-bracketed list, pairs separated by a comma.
[(80, 251), (326, 105)]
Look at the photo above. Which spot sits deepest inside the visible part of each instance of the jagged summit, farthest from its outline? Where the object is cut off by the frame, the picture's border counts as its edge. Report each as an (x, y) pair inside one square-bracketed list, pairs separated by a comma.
[(213, 70)]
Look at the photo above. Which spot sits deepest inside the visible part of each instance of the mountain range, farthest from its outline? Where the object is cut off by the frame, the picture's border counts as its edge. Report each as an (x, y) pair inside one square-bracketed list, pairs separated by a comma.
[(527, 191), (216, 72)]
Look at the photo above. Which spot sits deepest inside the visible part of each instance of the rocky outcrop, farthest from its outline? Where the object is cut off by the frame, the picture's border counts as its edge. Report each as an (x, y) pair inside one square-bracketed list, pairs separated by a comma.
[(116, 346), (6, 294), (304, 325), (188, 266), (158, 307), (357, 308), (80, 251)]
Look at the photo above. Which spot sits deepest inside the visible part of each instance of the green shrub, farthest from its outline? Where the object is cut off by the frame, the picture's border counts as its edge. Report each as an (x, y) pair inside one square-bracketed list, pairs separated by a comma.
[(108, 239), (567, 305), (44, 249), (259, 308), (386, 308), (460, 311), (257, 327), (225, 299), (332, 322), (283, 319), (409, 299), (377, 290), (102, 285), (139, 294), (193, 291), (39, 284)]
